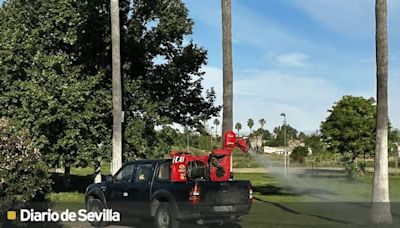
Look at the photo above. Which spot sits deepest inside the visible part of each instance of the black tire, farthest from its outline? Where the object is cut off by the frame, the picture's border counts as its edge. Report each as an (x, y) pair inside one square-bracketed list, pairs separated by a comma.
[(94, 205), (164, 217)]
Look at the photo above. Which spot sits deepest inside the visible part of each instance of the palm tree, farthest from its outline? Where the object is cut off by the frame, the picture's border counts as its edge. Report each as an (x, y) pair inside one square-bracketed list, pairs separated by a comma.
[(227, 118), (380, 211), (250, 124), (262, 123), (238, 127), (216, 123), (116, 88)]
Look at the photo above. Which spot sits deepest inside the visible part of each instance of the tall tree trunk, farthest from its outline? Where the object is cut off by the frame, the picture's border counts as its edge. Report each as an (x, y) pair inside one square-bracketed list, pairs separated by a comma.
[(116, 88), (227, 123), (67, 177), (67, 170), (380, 211)]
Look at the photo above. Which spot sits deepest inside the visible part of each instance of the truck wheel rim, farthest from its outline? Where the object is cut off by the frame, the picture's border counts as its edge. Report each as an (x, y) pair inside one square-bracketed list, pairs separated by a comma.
[(95, 209), (163, 219)]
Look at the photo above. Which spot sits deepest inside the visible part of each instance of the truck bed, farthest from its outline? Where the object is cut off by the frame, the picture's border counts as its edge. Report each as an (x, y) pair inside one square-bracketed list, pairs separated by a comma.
[(216, 198)]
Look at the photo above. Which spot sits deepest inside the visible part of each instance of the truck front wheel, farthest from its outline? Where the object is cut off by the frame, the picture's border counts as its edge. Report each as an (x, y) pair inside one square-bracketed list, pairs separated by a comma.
[(164, 217), (94, 205)]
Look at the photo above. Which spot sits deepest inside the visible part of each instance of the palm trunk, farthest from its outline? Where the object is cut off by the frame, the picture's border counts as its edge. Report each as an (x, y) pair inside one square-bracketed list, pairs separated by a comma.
[(380, 211), (227, 121), (116, 88)]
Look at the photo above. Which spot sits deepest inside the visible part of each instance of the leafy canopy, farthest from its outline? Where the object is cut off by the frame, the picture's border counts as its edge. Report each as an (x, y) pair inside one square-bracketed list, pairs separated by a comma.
[(162, 76), (279, 139), (350, 127), (299, 154), (55, 76)]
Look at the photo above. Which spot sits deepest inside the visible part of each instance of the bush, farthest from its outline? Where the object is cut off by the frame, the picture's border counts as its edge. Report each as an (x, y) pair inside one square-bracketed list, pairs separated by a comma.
[(299, 153), (23, 176)]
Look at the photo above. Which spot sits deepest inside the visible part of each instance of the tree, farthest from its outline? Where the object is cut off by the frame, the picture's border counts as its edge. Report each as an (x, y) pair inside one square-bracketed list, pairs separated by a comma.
[(262, 123), (227, 120), (380, 211), (302, 136), (266, 135), (116, 161), (216, 123), (23, 174), (299, 154), (291, 132), (315, 143), (349, 129), (162, 76), (279, 140), (394, 140), (250, 124), (238, 127), (55, 76)]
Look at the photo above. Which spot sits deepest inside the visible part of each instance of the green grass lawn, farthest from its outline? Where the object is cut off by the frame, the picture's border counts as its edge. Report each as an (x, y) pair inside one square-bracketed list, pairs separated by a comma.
[(105, 170), (314, 201), (242, 160), (317, 189)]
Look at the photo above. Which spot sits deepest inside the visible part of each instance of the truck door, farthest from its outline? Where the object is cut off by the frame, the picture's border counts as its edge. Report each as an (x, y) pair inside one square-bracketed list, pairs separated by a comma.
[(140, 189), (120, 189)]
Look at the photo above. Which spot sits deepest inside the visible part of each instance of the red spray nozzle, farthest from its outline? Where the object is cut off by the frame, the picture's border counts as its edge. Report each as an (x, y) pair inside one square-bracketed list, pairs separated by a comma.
[(230, 141), (242, 144)]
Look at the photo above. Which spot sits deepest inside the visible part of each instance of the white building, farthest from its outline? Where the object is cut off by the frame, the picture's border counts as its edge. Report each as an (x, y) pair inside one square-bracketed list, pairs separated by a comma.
[(273, 150)]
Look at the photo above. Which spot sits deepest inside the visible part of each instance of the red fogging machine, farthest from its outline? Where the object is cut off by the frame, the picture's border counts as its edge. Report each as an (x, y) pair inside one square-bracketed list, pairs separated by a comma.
[(217, 166)]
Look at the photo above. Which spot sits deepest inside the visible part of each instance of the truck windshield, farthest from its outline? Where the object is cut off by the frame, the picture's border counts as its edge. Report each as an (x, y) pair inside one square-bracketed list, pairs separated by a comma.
[(125, 174)]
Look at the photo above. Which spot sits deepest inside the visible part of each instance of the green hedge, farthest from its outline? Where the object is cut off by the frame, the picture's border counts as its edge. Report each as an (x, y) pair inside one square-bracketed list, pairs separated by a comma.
[(23, 175)]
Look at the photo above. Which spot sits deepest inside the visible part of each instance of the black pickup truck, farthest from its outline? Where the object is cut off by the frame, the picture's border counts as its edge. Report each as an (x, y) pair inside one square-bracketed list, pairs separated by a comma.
[(142, 189)]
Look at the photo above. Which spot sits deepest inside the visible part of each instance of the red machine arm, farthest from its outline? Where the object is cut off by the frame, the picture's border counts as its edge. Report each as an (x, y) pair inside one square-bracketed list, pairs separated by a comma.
[(242, 144), (216, 166)]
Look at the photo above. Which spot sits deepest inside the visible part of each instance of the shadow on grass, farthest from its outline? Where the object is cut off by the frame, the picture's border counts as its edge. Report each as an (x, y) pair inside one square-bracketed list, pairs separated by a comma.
[(292, 211), (289, 191), (273, 190), (307, 191), (70, 183)]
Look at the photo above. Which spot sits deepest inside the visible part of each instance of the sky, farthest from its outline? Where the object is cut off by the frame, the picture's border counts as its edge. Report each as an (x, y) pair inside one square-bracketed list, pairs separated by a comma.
[(297, 56)]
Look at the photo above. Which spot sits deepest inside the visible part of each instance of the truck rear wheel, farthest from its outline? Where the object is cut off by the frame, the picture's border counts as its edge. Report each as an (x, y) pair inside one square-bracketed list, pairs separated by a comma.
[(94, 205), (164, 217)]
